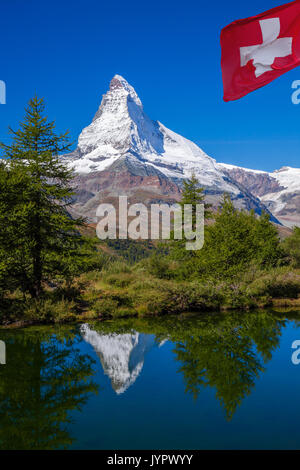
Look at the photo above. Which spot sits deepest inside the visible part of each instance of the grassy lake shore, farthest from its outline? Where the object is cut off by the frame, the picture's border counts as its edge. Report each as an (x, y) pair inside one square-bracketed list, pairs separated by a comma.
[(121, 290)]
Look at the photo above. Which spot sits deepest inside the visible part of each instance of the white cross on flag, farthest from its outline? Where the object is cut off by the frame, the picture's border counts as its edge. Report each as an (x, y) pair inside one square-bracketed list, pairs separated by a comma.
[(259, 49)]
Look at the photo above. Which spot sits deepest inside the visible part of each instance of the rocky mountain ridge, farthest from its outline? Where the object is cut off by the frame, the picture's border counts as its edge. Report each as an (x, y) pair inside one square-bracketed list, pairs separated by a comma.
[(124, 152)]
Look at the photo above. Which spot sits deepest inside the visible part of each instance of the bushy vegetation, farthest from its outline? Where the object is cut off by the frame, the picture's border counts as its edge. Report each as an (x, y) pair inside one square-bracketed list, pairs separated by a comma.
[(139, 293), (292, 248), (236, 240)]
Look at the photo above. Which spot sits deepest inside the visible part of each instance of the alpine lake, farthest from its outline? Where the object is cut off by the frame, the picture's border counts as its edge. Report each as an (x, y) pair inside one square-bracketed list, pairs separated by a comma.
[(213, 381)]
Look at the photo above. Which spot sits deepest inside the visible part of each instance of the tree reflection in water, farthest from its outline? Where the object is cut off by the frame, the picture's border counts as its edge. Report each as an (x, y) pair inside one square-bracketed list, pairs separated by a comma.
[(226, 352), (228, 356), (44, 379)]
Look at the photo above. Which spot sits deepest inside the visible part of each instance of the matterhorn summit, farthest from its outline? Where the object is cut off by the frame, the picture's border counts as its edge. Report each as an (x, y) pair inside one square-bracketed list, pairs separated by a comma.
[(121, 129), (125, 152)]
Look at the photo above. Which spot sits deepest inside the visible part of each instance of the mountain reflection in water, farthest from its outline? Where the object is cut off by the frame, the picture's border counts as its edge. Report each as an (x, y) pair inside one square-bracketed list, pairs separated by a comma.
[(52, 392), (224, 352), (121, 355)]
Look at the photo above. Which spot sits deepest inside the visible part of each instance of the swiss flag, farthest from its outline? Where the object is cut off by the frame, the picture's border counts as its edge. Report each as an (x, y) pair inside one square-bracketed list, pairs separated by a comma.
[(259, 49)]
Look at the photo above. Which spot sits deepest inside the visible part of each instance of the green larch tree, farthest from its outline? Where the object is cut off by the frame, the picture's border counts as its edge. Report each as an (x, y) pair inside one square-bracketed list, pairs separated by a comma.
[(39, 235)]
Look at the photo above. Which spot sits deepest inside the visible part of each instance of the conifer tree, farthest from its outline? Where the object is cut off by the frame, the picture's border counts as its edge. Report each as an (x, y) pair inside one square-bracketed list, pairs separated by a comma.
[(13, 218), (193, 194), (40, 234)]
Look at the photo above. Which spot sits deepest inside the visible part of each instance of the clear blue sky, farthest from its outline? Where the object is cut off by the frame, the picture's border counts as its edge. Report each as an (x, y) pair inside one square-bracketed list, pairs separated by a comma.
[(67, 52)]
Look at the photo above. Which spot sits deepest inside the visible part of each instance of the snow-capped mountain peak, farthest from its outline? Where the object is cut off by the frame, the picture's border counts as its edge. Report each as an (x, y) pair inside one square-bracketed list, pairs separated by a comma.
[(121, 128), (279, 190), (124, 151), (118, 82)]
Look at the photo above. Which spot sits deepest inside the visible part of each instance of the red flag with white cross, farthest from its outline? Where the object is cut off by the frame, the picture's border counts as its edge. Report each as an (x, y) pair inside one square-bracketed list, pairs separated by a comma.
[(259, 49)]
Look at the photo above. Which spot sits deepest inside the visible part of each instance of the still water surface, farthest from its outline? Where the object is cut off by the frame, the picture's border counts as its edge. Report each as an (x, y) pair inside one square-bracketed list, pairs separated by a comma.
[(214, 382)]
